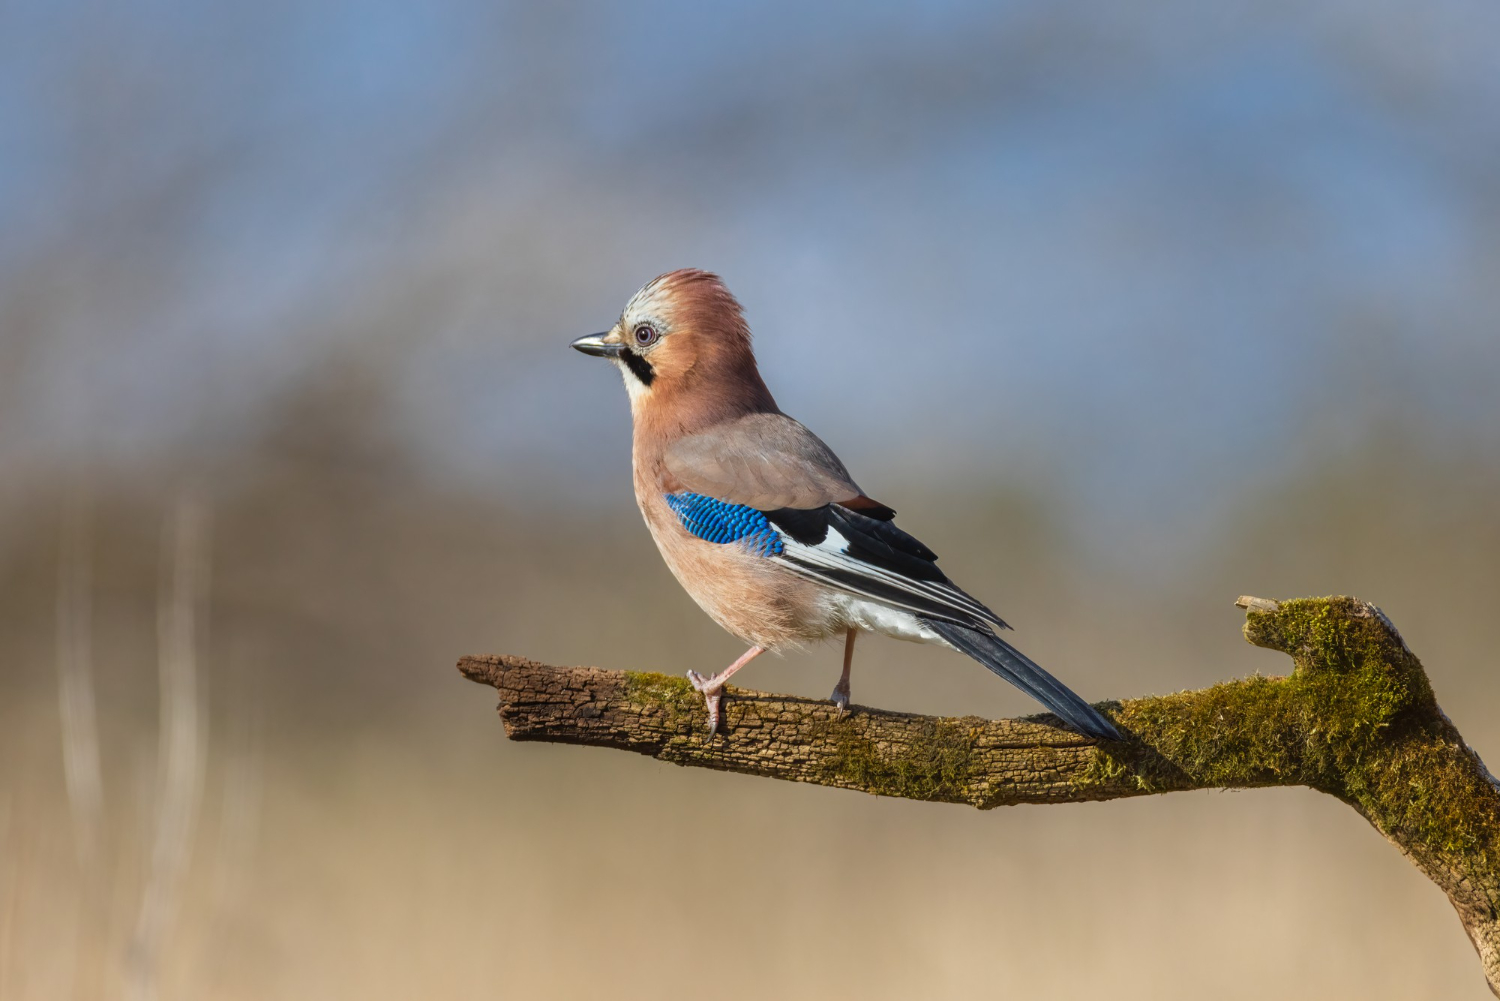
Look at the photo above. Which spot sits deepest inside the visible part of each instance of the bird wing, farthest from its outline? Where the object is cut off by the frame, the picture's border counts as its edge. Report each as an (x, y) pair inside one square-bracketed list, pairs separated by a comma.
[(764, 460), (768, 471), (872, 558)]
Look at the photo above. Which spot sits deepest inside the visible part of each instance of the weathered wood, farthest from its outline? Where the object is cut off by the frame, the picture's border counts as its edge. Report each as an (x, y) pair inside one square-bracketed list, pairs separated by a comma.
[(1355, 719)]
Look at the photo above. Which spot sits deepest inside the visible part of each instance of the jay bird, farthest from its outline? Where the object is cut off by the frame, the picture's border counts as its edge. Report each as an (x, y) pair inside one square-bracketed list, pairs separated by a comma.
[(758, 519)]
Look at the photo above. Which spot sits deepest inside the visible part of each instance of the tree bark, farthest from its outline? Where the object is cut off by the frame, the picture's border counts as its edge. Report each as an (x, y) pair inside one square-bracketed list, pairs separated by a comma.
[(1356, 719)]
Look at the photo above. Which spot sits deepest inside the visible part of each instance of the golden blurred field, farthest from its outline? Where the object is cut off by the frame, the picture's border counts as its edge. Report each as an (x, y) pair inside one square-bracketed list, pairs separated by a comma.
[(362, 829)]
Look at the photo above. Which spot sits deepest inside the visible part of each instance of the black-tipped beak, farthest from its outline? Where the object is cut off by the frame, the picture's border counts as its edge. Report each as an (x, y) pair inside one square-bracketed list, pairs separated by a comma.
[(596, 345)]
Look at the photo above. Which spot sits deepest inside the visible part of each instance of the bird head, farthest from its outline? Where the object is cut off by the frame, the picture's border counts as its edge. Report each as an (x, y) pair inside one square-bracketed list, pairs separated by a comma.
[(682, 345)]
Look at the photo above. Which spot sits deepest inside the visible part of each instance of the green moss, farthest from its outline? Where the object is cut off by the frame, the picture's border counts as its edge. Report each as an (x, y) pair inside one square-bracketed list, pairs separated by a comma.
[(1135, 765), (1356, 719), (934, 763), (672, 694)]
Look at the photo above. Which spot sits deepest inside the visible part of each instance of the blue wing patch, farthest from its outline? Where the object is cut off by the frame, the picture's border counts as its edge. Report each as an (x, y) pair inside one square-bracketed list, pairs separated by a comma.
[(717, 521)]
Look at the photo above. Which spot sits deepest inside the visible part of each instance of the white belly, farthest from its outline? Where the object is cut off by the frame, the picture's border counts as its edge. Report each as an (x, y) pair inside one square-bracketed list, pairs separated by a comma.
[(861, 613)]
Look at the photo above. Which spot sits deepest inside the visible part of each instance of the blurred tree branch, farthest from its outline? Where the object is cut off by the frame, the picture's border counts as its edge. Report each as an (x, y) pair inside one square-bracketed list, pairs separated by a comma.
[(1356, 719)]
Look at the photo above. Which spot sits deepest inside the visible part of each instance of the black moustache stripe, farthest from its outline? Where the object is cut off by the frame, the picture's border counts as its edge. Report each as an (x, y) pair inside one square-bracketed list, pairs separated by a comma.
[(639, 366)]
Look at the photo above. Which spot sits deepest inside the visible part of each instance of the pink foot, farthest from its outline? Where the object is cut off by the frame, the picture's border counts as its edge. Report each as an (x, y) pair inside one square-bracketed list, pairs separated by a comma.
[(840, 697), (713, 688), (713, 692)]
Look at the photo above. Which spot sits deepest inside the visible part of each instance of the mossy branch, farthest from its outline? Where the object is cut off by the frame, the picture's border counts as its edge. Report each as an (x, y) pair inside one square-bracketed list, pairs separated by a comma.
[(1356, 719)]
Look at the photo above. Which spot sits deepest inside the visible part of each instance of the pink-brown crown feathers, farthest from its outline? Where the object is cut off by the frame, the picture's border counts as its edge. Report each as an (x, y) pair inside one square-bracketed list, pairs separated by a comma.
[(685, 351), (698, 300)]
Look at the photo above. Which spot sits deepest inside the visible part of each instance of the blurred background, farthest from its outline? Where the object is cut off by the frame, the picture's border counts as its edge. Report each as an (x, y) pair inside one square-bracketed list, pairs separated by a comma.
[(1128, 309)]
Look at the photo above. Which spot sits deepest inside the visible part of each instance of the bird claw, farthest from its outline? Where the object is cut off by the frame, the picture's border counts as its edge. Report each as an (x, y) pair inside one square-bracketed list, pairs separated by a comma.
[(713, 692), (840, 698)]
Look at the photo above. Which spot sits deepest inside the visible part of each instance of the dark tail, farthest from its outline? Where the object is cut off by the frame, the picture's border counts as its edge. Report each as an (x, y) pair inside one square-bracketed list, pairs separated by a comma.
[(1021, 671)]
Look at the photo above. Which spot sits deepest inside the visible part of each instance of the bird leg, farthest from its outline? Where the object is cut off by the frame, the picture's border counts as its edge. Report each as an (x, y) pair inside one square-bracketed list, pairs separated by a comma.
[(840, 696), (713, 688)]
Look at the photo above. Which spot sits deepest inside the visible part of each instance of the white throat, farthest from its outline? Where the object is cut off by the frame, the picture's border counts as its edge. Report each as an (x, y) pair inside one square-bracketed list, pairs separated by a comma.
[(634, 388)]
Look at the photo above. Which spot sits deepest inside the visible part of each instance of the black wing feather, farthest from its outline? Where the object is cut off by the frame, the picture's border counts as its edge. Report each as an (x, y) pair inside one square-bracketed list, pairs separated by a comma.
[(878, 561), (1021, 671)]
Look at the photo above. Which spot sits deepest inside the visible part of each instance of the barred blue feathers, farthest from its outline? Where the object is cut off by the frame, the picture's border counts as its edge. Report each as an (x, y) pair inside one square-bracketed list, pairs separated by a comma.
[(716, 521)]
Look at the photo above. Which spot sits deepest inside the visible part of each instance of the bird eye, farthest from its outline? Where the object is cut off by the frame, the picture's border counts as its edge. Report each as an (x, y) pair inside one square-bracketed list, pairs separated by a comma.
[(645, 335)]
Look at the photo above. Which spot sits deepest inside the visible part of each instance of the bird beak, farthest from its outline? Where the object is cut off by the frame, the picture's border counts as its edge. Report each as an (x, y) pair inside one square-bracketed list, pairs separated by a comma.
[(596, 345)]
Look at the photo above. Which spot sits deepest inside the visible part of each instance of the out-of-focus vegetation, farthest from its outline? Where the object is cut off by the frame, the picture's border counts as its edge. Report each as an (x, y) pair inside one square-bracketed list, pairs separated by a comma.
[(1128, 312)]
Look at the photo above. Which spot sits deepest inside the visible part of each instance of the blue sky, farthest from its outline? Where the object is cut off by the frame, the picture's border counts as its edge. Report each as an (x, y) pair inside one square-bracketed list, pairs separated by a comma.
[(1152, 254)]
